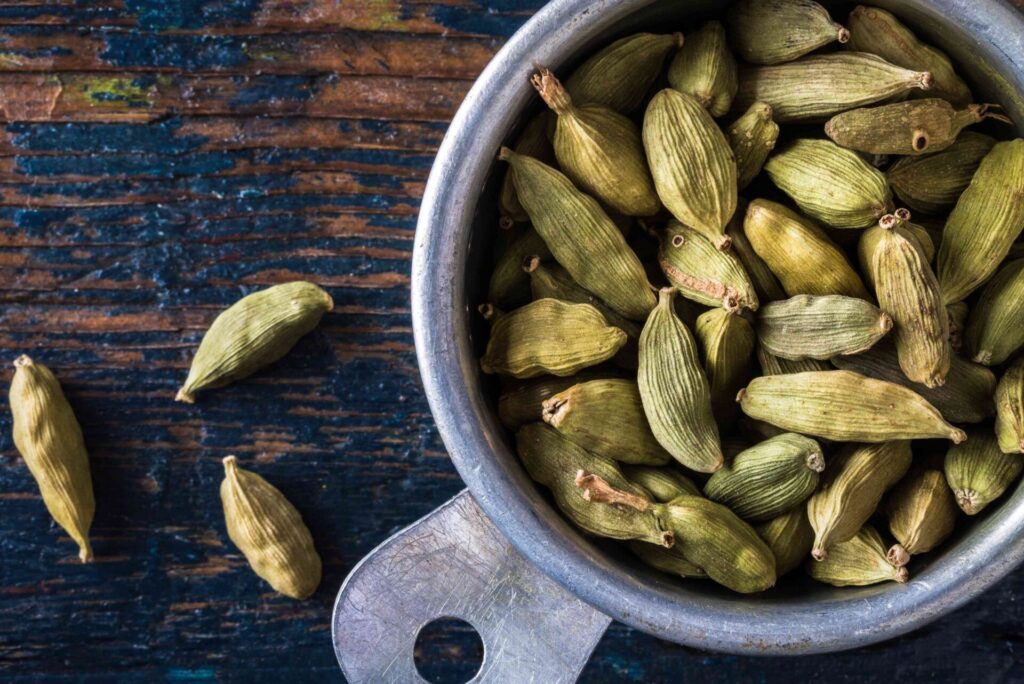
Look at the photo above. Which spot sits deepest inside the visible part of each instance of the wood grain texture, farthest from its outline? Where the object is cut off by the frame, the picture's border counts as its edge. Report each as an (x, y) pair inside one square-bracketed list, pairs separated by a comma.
[(160, 159)]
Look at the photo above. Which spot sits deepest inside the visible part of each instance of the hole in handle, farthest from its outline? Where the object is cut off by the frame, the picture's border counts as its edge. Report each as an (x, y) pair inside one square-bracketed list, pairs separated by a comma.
[(448, 651)]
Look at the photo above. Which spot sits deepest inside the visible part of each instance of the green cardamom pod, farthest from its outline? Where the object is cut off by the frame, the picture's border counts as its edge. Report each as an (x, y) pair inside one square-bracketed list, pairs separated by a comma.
[(845, 407), (830, 184), (790, 537), (620, 75), (932, 183), (922, 513), (820, 327), (869, 239), (607, 418), (911, 128), (532, 142), (799, 253), (766, 285), (692, 164), (876, 31), (47, 435), (549, 336), (851, 488), (663, 483), (705, 68), (781, 30), (908, 290), (858, 562), (600, 150), (726, 343), (521, 401), (966, 396), (558, 464), (509, 287), (768, 479), (265, 527), (670, 561), (700, 272), (978, 472), (752, 138), (594, 252), (776, 365), (817, 87), (254, 332), (987, 219), (551, 281), (1010, 410), (674, 390), (995, 329)]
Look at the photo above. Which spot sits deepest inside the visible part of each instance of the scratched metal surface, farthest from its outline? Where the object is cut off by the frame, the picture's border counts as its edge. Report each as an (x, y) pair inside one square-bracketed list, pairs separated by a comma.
[(160, 159)]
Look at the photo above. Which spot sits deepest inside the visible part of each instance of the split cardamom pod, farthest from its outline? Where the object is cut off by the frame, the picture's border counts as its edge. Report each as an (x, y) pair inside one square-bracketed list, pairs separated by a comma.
[(830, 184), (509, 287), (663, 484), (558, 464), (781, 30), (851, 488), (932, 183), (600, 150), (987, 219), (978, 472), (726, 342), (799, 253), (808, 326), (670, 561), (254, 332), (877, 31), (790, 537), (858, 562), (817, 87), (47, 435), (966, 396), (268, 530), (995, 328), (844, 407), (705, 68), (908, 290), (700, 272), (1010, 410), (620, 75), (607, 418), (692, 164), (549, 336), (766, 285), (594, 252), (922, 513), (768, 479), (776, 365), (909, 128), (674, 390), (532, 142), (752, 138)]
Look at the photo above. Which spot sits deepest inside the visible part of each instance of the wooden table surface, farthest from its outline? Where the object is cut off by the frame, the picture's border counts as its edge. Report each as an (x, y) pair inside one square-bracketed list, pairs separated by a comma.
[(161, 158)]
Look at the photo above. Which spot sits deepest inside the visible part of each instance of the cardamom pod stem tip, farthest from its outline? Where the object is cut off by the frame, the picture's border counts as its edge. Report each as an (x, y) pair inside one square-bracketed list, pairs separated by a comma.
[(898, 556), (230, 464), (85, 551), (902, 575), (185, 396), (815, 461), (22, 361), (819, 553), (885, 322), (551, 411), (551, 90), (531, 263), (679, 39), (506, 223), (958, 436), (505, 153), (843, 35), (967, 500)]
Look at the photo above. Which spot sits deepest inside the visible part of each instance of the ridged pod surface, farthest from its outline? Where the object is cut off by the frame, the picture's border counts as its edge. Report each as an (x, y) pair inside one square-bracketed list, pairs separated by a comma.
[(845, 407), (675, 392), (790, 537), (799, 253), (932, 183), (922, 513), (49, 439), (533, 142), (776, 31), (814, 88), (1010, 410), (979, 472), (995, 327), (670, 561), (987, 219), (726, 342), (766, 285), (877, 31), (852, 486), (509, 286), (820, 327), (705, 68), (663, 484), (701, 272), (752, 138), (776, 365), (620, 75), (858, 562), (581, 236), (870, 238), (550, 337), (830, 184), (692, 164), (551, 281), (521, 402)]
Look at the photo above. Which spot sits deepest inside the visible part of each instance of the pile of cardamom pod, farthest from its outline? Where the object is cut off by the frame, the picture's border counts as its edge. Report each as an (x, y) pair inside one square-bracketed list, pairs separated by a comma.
[(811, 376)]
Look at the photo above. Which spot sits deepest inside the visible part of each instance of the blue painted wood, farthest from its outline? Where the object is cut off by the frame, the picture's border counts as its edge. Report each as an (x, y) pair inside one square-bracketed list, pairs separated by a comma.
[(121, 238)]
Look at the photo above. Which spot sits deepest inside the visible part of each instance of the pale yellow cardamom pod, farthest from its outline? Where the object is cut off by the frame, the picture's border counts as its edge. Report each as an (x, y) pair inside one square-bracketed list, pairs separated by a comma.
[(858, 562), (922, 513)]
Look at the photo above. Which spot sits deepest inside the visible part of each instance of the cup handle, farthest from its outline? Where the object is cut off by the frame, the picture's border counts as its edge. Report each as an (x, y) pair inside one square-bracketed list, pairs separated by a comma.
[(455, 563)]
